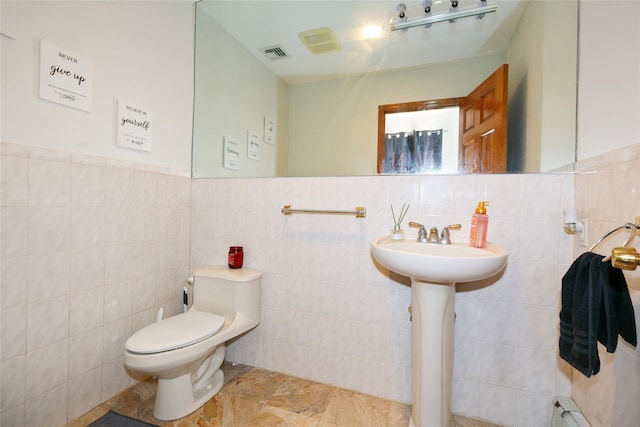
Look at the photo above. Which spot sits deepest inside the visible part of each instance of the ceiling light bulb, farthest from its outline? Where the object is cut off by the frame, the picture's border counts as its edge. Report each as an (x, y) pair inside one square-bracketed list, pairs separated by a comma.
[(372, 32)]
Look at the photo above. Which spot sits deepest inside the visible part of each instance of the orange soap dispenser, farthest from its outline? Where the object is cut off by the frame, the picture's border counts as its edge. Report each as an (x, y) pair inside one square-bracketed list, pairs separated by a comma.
[(479, 226)]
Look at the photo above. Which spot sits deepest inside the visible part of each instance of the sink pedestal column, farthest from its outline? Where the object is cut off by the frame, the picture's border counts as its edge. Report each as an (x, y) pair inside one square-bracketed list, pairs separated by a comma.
[(433, 311)]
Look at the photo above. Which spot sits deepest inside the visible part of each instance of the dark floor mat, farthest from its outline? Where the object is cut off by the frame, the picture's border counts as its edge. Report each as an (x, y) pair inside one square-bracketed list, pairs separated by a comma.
[(113, 419)]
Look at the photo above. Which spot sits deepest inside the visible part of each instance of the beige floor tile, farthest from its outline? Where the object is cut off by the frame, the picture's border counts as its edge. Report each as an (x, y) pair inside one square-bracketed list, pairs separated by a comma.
[(257, 397)]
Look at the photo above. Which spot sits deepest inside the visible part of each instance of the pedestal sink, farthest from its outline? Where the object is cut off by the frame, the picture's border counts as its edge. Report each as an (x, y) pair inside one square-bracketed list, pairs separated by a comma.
[(434, 270)]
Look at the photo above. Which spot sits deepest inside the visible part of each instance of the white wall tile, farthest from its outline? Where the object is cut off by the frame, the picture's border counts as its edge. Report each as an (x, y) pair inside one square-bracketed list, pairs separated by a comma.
[(533, 409), (49, 408), (49, 183), (69, 228), (141, 319), (506, 194), (536, 371), (372, 342), (143, 293), (434, 195), (87, 185), (83, 393), (48, 276), (538, 284), (147, 259), (114, 378), (373, 384), (466, 192), (285, 247), (119, 189), (87, 227), (117, 301), (14, 228), (540, 195), (498, 364), (497, 404), (304, 291), (47, 322), (13, 417), (466, 397), (85, 352), (143, 224), (118, 225), (13, 332), (166, 287), (87, 269), (143, 187), (115, 335), (13, 282), (539, 239), (499, 323), (49, 229), (118, 263), (538, 327), (606, 194), (13, 384), (46, 369), (14, 180), (86, 310), (466, 361), (173, 192)]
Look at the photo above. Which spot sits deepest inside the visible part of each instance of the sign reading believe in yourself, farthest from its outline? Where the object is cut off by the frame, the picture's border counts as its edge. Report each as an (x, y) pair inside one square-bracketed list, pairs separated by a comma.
[(65, 78), (134, 126)]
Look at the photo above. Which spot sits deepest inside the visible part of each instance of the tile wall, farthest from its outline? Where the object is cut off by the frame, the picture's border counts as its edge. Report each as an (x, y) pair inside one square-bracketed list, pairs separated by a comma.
[(90, 249), (329, 314), (607, 190)]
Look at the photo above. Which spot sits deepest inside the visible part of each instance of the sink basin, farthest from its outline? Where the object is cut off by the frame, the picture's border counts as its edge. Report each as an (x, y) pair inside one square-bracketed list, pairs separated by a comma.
[(431, 262), (434, 270)]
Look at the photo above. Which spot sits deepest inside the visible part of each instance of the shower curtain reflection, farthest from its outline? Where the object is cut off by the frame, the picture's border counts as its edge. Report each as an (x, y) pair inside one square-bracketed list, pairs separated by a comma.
[(419, 151)]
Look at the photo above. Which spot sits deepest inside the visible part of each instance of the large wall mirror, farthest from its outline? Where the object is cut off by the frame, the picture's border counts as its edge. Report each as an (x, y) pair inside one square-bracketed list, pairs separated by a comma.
[(293, 88)]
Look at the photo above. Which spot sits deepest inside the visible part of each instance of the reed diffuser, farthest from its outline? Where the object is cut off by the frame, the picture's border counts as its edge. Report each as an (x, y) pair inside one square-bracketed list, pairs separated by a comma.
[(397, 233)]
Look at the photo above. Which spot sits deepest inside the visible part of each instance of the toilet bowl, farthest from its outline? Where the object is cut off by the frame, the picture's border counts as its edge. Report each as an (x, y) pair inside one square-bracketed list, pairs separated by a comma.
[(185, 351)]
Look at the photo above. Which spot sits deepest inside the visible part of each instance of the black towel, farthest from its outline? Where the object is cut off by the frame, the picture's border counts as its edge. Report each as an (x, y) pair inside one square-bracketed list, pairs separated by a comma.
[(579, 315), (617, 310), (596, 306)]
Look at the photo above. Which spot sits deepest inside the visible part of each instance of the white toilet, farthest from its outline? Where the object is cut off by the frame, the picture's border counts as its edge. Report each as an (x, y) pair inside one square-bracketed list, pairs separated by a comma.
[(185, 351)]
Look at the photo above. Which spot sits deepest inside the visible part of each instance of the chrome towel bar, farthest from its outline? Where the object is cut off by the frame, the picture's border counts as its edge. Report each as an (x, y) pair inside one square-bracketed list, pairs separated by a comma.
[(359, 212)]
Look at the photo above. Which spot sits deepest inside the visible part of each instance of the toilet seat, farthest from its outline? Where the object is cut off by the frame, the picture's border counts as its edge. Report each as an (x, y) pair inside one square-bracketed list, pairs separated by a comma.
[(175, 332)]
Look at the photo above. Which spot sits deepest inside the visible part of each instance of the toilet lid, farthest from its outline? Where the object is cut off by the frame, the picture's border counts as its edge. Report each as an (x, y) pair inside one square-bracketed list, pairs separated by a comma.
[(175, 332)]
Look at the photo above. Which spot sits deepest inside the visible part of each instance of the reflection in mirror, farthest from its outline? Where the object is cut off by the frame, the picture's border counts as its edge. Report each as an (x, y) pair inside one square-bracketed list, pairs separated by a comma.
[(419, 137), (419, 150), (481, 141), (324, 119)]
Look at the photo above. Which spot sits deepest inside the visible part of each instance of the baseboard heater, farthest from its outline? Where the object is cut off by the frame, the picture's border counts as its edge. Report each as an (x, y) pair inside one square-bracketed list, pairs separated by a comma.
[(567, 414)]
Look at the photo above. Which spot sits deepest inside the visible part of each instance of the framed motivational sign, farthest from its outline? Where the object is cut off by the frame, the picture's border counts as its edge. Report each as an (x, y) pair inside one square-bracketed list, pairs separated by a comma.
[(134, 126), (65, 78)]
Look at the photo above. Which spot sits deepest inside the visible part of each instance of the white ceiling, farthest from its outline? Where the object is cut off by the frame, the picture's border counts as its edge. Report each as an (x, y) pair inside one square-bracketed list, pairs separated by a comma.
[(262, 23)]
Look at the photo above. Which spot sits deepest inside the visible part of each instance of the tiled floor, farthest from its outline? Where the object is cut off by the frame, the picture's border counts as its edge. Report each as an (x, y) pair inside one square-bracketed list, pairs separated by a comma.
[(257, 397)]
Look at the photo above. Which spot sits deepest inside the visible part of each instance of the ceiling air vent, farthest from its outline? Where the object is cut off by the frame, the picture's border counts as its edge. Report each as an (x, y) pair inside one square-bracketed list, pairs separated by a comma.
[(320, 40), (274, 52)]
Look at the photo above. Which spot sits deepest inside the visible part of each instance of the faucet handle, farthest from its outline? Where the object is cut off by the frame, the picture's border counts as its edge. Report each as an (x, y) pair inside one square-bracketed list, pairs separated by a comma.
[(445, 237), (422, 233)]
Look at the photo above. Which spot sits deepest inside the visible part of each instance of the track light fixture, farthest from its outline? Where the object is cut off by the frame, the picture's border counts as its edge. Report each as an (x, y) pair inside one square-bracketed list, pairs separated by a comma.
[(402, 22)]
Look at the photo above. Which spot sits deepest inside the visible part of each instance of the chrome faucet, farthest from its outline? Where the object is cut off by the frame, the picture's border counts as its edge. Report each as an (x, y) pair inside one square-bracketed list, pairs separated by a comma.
[(434, 237)]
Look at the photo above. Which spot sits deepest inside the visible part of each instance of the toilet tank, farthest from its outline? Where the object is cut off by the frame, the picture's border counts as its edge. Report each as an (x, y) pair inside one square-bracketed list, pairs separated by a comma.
[(224, 291)]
